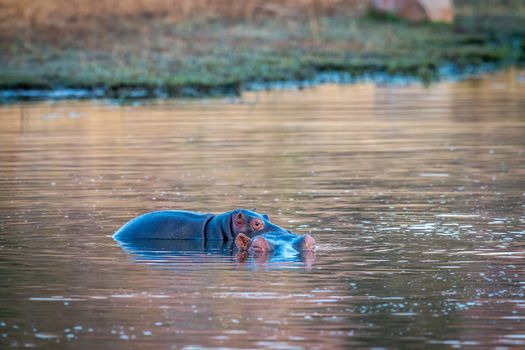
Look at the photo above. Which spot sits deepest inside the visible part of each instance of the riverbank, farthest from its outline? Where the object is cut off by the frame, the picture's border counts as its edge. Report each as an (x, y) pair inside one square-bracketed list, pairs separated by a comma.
[(142, 56)]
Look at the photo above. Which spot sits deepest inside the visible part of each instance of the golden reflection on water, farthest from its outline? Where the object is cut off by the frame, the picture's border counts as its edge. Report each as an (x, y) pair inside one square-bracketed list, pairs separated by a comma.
[(415, 196)]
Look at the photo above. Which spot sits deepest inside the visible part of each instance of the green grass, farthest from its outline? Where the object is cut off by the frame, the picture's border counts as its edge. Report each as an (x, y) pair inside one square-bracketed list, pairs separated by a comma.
[(212, 57)]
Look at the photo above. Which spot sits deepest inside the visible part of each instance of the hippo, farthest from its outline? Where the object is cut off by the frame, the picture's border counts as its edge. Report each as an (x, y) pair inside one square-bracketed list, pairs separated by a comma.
[(276, 242), (188, 225)]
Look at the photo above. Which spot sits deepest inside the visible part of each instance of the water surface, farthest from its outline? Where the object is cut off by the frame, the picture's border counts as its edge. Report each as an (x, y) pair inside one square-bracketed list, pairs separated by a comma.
[(416, 197)]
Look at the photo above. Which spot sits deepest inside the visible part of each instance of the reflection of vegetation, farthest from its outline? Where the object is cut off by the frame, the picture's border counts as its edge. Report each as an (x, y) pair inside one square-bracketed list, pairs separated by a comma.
[(192, 55)]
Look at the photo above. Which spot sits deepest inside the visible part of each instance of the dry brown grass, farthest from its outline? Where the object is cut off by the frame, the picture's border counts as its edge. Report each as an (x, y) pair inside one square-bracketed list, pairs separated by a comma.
[(62, 22), (42, 13), (47, 20), (22, 15)]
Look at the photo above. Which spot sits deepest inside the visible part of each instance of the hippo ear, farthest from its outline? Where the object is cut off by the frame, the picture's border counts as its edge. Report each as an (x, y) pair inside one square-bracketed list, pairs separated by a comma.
[(239, 218), (265, 217), (254, 209), (242, 241)]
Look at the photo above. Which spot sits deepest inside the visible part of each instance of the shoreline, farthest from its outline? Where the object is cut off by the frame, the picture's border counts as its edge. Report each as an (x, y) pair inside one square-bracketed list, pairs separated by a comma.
[(135, 92)]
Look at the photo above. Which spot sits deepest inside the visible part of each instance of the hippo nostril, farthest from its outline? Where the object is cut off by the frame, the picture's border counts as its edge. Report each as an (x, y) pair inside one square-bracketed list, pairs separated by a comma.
[(257, 247), (308, 242), (242, 241), (259, 244)]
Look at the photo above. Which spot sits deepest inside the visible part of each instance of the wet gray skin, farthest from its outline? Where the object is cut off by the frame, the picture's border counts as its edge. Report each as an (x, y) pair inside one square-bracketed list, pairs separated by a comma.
[(187, 225)]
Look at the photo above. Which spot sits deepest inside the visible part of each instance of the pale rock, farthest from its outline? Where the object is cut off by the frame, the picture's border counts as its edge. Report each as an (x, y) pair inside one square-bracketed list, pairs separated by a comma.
[(417, 10)]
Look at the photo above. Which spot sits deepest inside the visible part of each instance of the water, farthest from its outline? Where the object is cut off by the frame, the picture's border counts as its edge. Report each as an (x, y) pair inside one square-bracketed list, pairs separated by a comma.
[(416, 198)]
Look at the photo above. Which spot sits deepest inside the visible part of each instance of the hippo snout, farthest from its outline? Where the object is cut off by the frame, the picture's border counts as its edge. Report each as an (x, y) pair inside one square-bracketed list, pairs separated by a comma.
[(276, 241), (260, 244), (308, 243)]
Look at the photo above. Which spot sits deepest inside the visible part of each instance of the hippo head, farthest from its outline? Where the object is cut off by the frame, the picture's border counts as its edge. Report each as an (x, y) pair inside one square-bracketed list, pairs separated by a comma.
[(252, 224), (276, 242)]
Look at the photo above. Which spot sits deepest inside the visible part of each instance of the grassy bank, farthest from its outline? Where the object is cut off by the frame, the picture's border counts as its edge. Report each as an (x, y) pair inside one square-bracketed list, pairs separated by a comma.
[(180, 51)]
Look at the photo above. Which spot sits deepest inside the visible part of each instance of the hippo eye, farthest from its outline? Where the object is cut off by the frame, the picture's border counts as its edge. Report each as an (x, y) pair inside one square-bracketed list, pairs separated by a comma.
[(257, 224)]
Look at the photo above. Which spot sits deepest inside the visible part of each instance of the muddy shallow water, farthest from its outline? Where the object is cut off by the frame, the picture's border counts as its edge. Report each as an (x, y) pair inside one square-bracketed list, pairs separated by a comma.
[(416, 197)]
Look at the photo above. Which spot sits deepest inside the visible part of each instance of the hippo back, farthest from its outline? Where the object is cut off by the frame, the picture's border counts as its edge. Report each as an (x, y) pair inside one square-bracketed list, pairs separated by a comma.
[(167, 224)]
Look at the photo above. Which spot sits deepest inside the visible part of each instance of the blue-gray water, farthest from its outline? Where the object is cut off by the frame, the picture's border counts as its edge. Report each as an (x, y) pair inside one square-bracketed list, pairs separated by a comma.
[(416, 197)]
